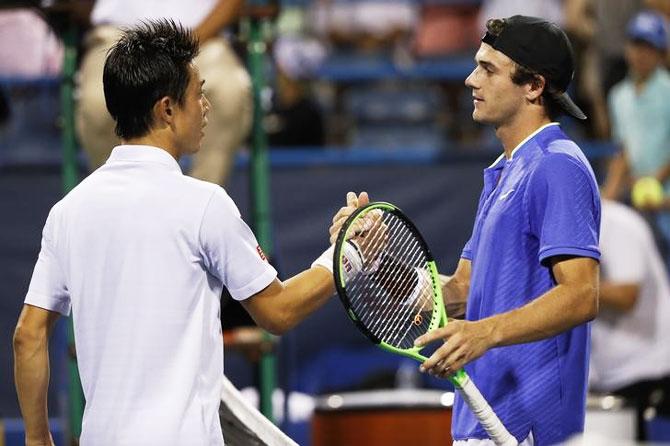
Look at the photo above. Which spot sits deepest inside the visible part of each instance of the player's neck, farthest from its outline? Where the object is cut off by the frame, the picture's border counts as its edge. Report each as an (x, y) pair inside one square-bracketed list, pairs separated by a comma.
[(514, 132), (155, 139)]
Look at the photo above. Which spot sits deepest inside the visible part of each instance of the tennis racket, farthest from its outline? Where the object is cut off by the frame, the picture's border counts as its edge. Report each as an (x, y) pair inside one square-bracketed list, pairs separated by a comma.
[(388, 283)]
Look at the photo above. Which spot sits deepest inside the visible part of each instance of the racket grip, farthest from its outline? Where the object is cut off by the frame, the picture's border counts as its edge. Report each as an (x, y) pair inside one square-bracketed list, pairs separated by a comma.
[(484, 413)]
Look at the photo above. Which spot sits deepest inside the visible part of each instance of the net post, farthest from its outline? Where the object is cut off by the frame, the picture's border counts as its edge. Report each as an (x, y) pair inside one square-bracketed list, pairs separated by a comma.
[(70, 178), (256, 28)]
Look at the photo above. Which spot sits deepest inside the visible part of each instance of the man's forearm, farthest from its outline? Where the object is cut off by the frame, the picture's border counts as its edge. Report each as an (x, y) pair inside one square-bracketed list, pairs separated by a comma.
[(616, 177), (306, 292), (559, 309), (455, 296), (31, 376), (282, 305)]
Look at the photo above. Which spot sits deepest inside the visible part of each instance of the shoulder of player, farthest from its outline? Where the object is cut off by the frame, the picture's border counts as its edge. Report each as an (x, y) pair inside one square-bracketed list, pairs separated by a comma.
[(217, 198), (199, 186), (200, 190), (83, 189), (558, 152), (561, 160)]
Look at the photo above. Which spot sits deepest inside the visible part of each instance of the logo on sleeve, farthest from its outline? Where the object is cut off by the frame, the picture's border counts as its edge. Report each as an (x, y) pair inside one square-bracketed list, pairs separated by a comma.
[(260, 252)]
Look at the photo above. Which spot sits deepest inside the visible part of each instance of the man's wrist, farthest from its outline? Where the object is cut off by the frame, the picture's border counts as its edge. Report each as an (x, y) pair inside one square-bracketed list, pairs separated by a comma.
[(39, 439), (325, 260), (491, 328), (352, 259)]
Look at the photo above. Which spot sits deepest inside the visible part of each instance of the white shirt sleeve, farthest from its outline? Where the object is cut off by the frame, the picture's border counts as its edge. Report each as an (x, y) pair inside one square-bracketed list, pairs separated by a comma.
[(230, 250), (48, 288), (624, 237)]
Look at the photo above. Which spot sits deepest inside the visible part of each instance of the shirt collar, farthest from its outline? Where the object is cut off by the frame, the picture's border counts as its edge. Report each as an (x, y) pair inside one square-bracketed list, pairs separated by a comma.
[(499, 162), (143, 154)]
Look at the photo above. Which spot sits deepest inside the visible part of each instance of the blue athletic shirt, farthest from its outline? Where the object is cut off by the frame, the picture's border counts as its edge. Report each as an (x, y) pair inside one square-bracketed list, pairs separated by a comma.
[(542, 202)]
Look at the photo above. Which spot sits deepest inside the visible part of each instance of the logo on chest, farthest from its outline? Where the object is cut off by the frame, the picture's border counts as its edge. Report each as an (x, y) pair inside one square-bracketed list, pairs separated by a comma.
[(504, 195)]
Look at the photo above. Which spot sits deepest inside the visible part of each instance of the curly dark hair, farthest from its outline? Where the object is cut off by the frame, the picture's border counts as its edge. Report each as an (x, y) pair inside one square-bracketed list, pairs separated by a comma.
[(148, 62), (495, 26)]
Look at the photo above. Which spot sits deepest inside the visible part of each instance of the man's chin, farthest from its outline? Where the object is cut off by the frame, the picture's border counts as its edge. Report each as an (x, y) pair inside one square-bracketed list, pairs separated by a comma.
[(480, 119), (477, 117)]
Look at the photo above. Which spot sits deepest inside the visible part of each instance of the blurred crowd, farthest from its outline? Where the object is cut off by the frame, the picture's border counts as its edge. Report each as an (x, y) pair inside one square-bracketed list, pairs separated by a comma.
[(338, 65), (338, 77)]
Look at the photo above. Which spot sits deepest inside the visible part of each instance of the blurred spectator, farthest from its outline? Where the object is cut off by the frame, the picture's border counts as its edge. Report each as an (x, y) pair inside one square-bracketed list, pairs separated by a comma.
[(611, 18), (365, 25), (296, 119), (446, 29), (28, 47), (228, 85), (640, 114), (630, 355), (551, 10), (581, 26)]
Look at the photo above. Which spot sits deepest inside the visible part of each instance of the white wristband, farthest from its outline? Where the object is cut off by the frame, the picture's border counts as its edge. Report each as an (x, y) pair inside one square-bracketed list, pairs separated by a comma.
[(325, 260), (352, 261)]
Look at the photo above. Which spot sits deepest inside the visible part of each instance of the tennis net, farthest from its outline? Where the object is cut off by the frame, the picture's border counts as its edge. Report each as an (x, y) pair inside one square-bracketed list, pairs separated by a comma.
[(243, 425)]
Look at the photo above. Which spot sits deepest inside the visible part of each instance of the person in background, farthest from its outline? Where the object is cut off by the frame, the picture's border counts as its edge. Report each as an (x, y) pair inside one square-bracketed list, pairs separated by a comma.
[(28, 46), (640, 118), (610, 38), (629, 350), (364, 26), (296, 119), (228, 83), (550, 10), (581, 24)]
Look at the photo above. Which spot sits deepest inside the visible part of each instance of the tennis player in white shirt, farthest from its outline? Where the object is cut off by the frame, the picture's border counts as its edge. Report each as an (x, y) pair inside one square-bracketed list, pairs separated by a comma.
[(139, 253)]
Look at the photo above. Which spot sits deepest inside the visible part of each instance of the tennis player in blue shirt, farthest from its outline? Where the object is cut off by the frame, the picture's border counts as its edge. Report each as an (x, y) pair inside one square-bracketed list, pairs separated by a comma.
[(529, 273)]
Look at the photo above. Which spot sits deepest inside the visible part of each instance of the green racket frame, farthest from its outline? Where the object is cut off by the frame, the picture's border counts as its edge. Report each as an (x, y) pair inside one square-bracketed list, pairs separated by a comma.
[(439, 316)]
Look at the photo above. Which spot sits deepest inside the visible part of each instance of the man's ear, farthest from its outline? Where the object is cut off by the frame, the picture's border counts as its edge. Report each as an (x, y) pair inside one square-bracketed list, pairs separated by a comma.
[(163, 112), (536, 88)]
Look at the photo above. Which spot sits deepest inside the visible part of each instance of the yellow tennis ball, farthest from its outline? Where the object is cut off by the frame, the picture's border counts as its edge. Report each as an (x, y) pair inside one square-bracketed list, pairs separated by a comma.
[(647, 191)]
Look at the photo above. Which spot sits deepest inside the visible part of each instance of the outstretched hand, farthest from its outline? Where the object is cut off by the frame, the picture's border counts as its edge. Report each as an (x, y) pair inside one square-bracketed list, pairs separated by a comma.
[(353, 203)]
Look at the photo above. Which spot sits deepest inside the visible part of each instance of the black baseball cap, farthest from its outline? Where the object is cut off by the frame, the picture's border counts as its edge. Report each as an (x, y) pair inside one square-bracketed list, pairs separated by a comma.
[(542, 47)]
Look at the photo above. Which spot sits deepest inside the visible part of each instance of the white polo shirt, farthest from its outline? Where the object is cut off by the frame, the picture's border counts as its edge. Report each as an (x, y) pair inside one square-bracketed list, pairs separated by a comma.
[(630, 347), (141, 253)]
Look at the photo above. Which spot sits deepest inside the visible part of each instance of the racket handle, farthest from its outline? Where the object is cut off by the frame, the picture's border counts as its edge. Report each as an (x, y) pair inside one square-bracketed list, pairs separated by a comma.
[(484, 413)]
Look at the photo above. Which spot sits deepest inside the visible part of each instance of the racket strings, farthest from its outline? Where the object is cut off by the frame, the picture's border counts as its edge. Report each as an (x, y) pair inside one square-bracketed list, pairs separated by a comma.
[(374, 293), (373, 241), (393, 299), (405, 284)]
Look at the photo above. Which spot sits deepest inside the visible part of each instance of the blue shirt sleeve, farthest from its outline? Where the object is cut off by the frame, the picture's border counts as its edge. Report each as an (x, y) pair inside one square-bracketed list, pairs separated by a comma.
[(564, 208)]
